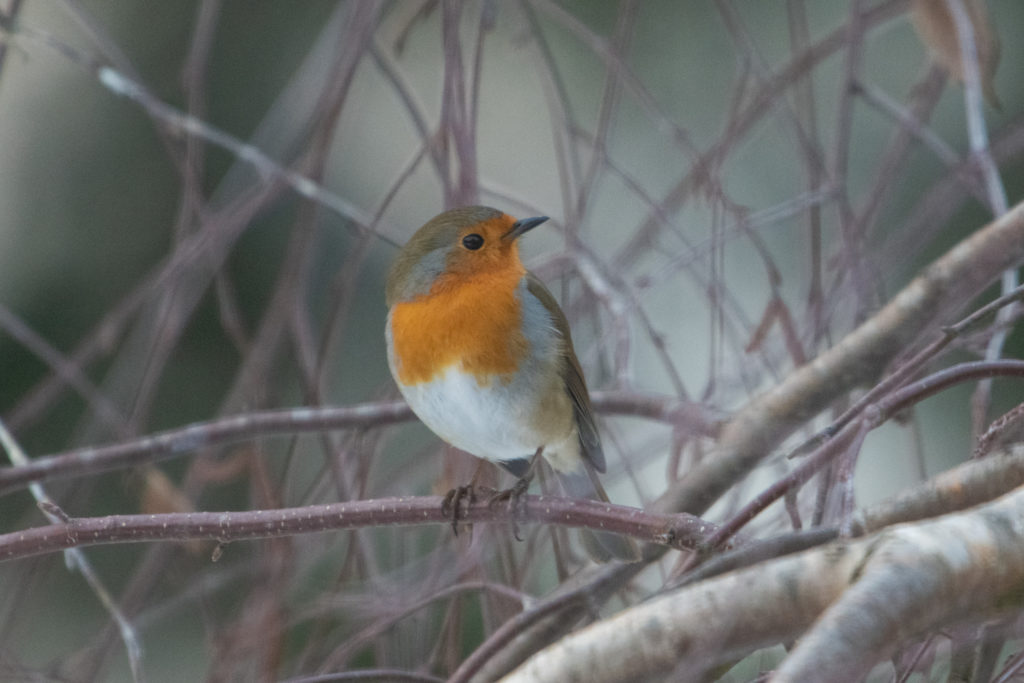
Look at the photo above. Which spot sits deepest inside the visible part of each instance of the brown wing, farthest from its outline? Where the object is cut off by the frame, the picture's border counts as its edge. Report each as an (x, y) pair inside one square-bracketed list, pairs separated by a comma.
[(572, 375)]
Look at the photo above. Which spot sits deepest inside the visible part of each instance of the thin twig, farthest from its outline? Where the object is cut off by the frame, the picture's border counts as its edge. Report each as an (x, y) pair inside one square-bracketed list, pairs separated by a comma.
[(201, 435), (75, 559), (994, 189), (909, 368), (854, 432), (680, 531), (183, 123)]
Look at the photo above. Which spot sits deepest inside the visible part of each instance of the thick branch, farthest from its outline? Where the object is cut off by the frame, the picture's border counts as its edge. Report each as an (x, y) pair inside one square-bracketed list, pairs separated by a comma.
[(863, 599), (972, 483), (941, 290)]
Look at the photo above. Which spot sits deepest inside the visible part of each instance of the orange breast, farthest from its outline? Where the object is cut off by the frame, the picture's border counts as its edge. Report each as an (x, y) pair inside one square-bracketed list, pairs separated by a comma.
[(472, 321)]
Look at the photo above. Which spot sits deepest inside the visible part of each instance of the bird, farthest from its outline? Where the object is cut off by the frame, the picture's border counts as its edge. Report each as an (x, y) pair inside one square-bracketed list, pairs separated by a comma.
[(483, 355)]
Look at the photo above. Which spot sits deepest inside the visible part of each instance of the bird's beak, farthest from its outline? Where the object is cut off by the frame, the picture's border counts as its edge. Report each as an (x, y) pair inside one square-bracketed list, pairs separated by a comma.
[(521, 227)]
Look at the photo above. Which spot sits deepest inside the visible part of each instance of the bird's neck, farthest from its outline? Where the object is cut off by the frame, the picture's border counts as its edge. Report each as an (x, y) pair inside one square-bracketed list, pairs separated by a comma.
[(473, 322)]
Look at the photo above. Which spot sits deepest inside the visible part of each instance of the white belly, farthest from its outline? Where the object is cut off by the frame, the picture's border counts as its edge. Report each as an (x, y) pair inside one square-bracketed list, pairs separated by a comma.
[(485, 420)]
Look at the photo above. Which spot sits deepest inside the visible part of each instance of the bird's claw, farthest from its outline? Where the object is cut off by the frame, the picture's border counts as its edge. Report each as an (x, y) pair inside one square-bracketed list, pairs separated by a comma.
[(514, 496), (451, 506)]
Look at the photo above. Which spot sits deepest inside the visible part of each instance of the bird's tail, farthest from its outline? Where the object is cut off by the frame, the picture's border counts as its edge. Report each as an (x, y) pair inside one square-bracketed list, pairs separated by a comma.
[(601, 546)]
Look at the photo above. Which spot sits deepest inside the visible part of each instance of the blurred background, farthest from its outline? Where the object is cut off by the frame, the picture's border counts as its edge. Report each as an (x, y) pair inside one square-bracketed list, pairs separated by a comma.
[(733, 186)]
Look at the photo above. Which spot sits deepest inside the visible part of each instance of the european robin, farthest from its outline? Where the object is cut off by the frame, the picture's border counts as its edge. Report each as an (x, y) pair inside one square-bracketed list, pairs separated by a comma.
[(482, 353)]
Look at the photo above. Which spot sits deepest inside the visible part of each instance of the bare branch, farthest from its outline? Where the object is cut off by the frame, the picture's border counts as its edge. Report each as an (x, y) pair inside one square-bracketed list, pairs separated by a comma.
[(679, 531), (863, 598), (177, 442), (943, 288)]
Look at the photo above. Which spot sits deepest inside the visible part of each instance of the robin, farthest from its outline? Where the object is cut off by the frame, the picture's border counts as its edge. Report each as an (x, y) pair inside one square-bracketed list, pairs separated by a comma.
[(482, 353)]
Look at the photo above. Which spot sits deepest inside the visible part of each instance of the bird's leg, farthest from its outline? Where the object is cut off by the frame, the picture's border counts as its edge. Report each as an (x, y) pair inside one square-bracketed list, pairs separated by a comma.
[(452, 502), (515, 494)]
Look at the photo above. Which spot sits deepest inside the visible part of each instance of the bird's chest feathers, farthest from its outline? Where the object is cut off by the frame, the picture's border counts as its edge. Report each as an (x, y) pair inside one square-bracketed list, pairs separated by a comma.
[(474, 324)]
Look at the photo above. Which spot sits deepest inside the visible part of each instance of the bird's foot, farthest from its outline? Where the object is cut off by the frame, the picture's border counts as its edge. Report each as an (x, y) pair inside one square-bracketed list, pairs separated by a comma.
[(514, 497), (451, 506)]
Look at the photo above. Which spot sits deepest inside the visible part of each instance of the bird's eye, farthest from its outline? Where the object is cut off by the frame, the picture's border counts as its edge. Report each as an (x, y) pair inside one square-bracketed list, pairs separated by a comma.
[(472, 241)]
